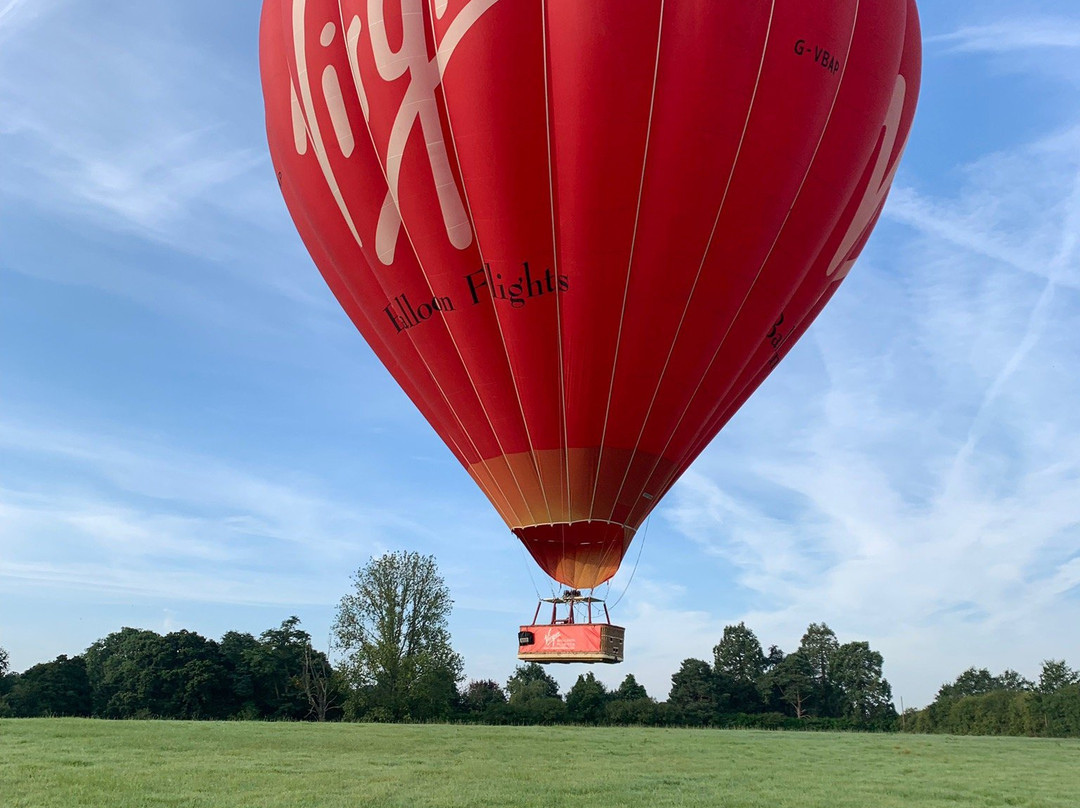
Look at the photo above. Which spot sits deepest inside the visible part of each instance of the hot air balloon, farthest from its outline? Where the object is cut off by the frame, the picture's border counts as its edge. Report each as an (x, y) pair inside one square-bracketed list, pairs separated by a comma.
[(580, 233)]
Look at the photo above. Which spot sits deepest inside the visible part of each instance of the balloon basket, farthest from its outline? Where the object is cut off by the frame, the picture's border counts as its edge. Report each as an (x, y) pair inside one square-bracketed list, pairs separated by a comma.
[(574, 637)]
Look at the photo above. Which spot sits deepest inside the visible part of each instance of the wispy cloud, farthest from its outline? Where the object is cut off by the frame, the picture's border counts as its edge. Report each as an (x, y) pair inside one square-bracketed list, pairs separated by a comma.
[(149, 182), (99, 120), (105, 133), (7, 11), (135, 514), (14, 13), (1013, 35)]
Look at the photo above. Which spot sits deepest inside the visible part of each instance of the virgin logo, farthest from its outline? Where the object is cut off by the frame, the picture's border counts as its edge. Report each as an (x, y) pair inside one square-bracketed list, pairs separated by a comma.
[(417, 107), (556, 640), (881, 178)]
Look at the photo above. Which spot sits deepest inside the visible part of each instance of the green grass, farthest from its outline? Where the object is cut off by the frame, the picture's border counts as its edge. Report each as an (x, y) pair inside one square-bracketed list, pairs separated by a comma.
[(69, 762)]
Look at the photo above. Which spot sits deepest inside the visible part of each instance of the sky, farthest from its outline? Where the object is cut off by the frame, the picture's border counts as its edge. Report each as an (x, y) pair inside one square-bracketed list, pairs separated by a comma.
[(193, 435)]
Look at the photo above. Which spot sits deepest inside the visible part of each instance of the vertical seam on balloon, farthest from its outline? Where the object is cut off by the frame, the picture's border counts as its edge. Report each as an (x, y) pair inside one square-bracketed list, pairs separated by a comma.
[(779, 233), (701, 267), (555, 268), (494, 308), (629, 266), (453, 341)]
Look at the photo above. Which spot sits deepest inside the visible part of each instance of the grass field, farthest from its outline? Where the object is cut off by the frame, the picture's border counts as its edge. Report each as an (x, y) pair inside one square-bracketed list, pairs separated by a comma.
[(69, 762)]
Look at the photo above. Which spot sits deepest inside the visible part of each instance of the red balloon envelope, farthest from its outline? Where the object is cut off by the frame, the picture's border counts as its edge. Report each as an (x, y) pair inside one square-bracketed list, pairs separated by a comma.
[(580, 233)]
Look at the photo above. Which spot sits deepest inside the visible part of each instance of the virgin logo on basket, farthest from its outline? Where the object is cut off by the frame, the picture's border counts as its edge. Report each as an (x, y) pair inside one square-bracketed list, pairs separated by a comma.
[(556, 640)]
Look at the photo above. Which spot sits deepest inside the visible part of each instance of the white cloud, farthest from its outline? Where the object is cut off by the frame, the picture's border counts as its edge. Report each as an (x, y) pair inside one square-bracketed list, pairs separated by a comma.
[(135, 158), (101, 121), (1013, 35), (129, 514)]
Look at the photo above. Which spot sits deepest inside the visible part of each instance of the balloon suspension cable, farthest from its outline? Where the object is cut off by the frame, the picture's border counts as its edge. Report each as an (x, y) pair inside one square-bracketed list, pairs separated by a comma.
[(633, 572), (607, 590), (528, 569)]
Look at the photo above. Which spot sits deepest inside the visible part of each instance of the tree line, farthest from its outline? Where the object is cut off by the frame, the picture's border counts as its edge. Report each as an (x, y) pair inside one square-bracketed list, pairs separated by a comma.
[(396, 663), (979, 703), (137, 673), (412, 674)]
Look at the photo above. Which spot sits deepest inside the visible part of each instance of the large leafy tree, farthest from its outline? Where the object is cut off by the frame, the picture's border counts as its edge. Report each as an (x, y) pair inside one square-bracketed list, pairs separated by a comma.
[(738, 665), (241, 652), (280, 675), (739, 654), (196, 677), (393, 631), (629, 704), (863, 691)]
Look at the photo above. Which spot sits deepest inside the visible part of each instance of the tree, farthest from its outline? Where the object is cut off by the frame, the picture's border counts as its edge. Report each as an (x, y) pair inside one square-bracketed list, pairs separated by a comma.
[(817, 647), (482, 695), (1013, 682), (771, 697), (138, 673), (1055, 675), (738, 664), (739, 654), (630, 704), (278, 664), (195, 677), (629, 690), (586, 699), (693, 692), (534, 696), (530, 681), (972, 682), (793, 678), (320, 684), (7, 681), (123, 675), (863, 691), (241, 652), (393, 630), (57, 688)]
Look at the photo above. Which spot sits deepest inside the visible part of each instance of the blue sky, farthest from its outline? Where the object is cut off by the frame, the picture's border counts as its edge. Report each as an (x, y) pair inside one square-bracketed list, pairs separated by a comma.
[(192, 434)]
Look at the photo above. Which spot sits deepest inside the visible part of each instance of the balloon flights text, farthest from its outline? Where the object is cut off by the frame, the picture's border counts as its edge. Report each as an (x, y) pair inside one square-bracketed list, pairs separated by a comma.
[(484, 283)]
